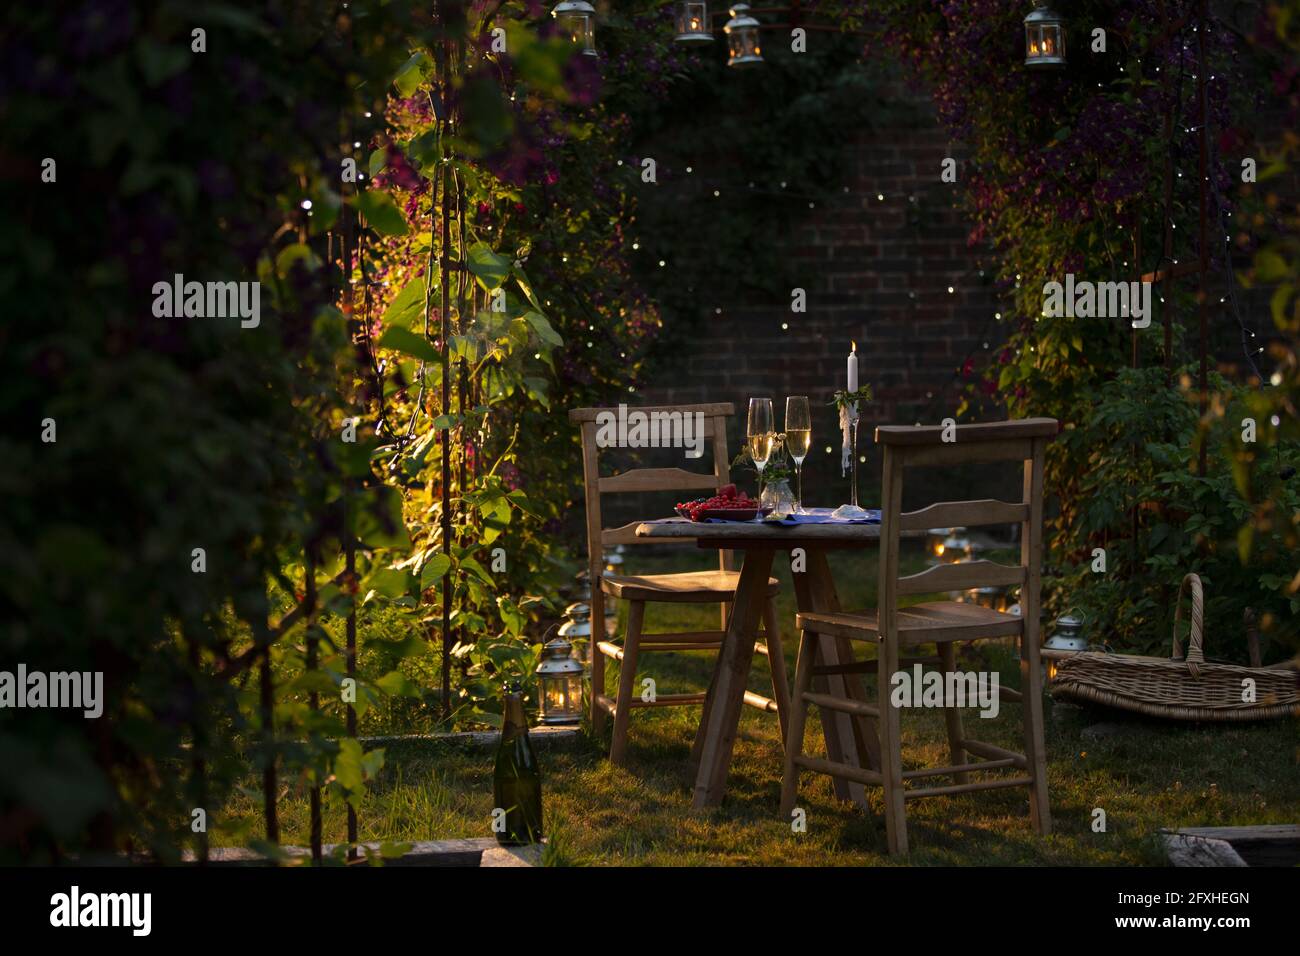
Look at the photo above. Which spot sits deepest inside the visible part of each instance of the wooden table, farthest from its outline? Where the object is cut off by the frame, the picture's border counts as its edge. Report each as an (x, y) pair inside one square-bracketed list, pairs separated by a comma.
[(849, 739)]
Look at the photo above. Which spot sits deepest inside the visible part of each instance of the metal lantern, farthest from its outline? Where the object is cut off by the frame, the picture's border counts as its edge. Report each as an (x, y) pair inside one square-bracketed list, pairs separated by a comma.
[(611, 607), (576, 628), (692, 20), (1044, 38), (1067, 637), (742, 37), (614, 560), (934, 542), (954, 547), (583, 590), (993, 597), (577, 20), (559, 676)]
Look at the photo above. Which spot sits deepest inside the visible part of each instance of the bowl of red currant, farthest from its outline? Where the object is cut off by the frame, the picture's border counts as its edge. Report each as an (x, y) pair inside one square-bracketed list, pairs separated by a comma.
[(727, 505)]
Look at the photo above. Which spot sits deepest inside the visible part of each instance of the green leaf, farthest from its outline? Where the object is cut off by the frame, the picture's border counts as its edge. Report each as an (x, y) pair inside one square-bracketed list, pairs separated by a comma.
[(412, 73), (347, 765), (433, 570), (386, 582), (543, 329), (407, 306), (471, 565), (513, 618), (409, 343), (490, 268), (381, 212), (397, 684)]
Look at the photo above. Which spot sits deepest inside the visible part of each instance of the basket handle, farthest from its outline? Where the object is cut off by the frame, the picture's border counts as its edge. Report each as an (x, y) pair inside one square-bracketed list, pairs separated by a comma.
[(1195, 656)]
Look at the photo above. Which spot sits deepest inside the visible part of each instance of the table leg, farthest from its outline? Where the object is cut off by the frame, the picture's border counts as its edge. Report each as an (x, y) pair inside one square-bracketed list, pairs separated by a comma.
[(849, 739), (717, 734)]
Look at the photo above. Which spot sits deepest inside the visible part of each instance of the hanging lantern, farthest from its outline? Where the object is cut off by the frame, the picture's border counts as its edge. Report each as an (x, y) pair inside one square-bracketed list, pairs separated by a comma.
[(1044, 38), (742, 37), (692, 19), (577, 20), (559, 677)]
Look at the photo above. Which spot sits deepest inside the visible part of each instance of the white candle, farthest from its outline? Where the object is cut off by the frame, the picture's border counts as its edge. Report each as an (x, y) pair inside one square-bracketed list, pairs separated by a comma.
[(853, 368)]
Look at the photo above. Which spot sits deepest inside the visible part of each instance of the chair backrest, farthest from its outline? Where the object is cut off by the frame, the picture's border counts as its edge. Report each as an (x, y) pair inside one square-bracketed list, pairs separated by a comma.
[(1022, 440), (707, 423)]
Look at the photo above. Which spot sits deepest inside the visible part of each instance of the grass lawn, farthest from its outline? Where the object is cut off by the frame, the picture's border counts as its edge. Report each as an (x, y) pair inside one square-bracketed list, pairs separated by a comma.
[(1144, 774)]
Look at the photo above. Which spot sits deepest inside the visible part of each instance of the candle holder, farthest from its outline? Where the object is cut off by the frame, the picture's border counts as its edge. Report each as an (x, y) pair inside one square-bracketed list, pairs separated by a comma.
[(853, 450), (848, 404)]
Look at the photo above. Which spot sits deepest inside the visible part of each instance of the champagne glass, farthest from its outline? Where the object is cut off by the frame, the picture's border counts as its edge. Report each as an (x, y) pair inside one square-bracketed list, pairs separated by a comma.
[(761, 433), (798, 439)]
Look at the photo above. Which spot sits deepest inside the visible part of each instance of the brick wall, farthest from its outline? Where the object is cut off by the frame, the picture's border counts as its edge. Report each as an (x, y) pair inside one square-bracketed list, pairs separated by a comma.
[(876, 271)]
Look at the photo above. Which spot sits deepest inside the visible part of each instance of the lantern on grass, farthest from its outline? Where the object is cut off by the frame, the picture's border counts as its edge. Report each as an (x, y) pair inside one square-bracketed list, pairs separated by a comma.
[(559, 678), (576, 628), (692, 21), (992, 597), (742, 37), (1067, 638), (1044, 38), (954, 547), (934, 542), (577, 20)]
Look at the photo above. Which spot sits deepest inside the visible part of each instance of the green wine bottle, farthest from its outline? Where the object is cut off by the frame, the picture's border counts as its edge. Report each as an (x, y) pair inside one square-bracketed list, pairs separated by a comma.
[(516, 782)]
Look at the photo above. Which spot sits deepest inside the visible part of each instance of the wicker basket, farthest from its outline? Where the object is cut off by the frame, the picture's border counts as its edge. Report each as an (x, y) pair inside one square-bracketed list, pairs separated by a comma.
[(1188, 688)]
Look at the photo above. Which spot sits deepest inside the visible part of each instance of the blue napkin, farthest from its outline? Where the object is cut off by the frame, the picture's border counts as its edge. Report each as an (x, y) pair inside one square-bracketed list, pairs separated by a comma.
[(823, 516), (813, 516)]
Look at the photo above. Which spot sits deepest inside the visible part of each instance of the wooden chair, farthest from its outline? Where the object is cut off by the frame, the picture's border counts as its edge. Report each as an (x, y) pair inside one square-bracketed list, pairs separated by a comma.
[(893, 628), (690, 587)]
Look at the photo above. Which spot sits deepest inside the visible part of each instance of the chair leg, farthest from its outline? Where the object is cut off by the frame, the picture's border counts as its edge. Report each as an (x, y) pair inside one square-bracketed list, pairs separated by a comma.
[(803, 675), (1031, 681), (952, 716), (597, 681), (776, 662), (891, 748), (626, 680)]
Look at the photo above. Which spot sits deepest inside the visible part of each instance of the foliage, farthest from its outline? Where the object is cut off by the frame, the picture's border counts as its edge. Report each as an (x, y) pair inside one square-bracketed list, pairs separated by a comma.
[(1065, 171), (1136, 449), (541, 318), (173, 434), (563, 196)]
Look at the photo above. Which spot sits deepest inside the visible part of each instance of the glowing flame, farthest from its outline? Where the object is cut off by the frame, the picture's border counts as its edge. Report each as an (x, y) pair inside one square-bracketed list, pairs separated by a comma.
[(854, 344)]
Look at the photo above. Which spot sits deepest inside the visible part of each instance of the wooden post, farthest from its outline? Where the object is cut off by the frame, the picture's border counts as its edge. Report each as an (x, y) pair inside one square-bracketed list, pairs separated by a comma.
[(444, 278), (313, 698), (267, 707)]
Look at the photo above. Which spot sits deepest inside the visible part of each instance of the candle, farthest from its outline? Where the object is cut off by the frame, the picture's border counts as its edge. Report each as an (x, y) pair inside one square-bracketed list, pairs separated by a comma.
[(853, 368)]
